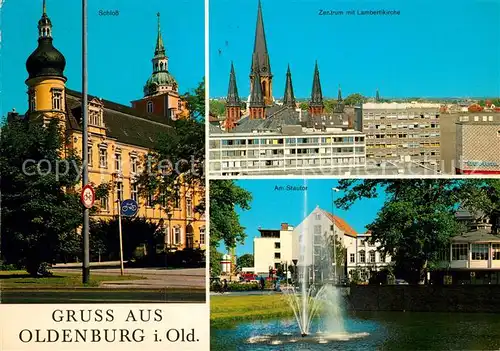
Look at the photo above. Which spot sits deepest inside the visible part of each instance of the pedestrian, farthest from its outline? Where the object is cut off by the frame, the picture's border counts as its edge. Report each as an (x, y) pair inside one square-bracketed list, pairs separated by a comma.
[(224, 287), (262, 283)]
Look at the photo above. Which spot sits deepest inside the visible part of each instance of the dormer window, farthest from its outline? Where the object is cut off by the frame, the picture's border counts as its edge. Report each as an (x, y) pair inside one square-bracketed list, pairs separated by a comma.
[(96, 112), (150, 106), (57, 99), (32, 97)]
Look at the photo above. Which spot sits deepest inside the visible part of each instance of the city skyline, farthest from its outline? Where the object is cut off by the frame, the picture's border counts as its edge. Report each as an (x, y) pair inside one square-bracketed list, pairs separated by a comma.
[(113, 75), (439, 71), (270, 206)]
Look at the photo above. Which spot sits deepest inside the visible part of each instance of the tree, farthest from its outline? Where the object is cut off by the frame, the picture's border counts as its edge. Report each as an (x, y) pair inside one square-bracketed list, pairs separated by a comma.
[(40, 212), (354, 99), (215, 259), (304, 106), (217, 108), (178, 159), (135, 232), (245, 260), (416, 221), (225, 225), (195, 103), (330, 105)]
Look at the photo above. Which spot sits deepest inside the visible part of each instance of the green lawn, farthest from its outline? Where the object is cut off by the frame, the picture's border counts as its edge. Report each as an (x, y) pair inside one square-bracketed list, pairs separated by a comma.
[(224, 310), (20, 279)]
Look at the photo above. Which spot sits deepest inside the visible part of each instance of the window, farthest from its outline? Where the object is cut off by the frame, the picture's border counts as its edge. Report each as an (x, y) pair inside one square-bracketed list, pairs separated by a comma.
[(119, 191), (277, 255), (150, 106), (371, 258), (133, 164), (382, 257), (459, 252), (362, 256), (56, 99), (103, 157), (149, 200), (479, 252), (317, 229), (352, 258), (318, 216), (134, 191), (202, 235), (177, 235), (89, 153), (277, 245), (118, 161), (189, 207), (104, 203), (32, 101)]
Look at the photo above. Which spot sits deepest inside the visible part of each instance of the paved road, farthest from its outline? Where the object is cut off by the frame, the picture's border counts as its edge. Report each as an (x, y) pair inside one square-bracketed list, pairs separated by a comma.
[(156, 278), (102, 296)]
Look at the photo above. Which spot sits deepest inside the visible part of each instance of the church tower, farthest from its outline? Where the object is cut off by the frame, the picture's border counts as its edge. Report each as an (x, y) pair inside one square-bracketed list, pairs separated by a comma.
[(316, 105), (161, 80), (339, 108), (46, 81), (289, 98), (257, 104), (233, 103), (261, 62)]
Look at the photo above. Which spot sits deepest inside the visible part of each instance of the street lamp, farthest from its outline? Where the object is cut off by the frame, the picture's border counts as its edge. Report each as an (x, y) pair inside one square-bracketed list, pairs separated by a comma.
[(170, 238), (334, 190)]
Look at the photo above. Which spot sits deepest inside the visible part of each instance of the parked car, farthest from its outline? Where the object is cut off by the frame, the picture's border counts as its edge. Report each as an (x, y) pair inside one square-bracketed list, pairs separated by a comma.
[(400, 282)]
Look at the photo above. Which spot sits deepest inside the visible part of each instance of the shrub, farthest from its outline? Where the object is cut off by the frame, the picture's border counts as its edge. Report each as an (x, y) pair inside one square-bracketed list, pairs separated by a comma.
[(7, 267)]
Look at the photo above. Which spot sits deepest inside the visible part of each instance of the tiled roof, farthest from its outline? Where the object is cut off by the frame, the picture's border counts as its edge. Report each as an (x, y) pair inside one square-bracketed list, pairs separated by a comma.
[(123, 123), (479, 235), (341, 224)]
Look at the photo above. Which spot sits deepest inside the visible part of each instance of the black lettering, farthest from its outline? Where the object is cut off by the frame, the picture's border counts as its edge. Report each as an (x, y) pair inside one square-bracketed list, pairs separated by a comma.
[(51, 332), (96, 335), (110, 317), (124, 334), (83, 336), (106, 335), (159, 316), (66, 335), (98, 316), (173, 335), (139, 338), (82, 314), (190, 336), (59, 317), (25, 331), (131, 315), (37, 332), (71, 315)]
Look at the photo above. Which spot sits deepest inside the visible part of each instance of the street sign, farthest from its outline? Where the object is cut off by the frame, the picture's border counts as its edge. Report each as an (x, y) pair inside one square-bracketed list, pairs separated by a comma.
[(129, 208), (88, 196)]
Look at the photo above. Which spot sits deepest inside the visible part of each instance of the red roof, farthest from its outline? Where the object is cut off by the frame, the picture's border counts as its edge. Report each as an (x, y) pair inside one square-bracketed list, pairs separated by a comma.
[(341, 224)]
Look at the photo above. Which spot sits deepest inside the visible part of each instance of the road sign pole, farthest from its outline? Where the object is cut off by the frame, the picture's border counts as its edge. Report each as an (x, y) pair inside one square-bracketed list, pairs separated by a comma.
[(120, 234), (85, 174)]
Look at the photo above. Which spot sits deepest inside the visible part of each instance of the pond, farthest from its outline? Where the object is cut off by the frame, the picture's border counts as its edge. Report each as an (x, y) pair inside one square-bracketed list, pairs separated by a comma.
[(369, 331)]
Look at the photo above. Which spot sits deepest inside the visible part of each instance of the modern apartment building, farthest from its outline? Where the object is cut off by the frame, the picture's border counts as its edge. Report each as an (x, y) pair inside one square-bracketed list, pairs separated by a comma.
[(401, 132), (292, 149), (272, 249)]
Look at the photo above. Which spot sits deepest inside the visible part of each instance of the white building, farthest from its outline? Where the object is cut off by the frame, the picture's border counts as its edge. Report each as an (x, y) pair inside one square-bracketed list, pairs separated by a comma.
[(272, 249), (315, 232), (292, 150)]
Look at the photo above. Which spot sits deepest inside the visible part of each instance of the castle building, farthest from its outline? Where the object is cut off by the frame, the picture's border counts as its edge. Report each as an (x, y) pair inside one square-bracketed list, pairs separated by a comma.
[(119, 136)]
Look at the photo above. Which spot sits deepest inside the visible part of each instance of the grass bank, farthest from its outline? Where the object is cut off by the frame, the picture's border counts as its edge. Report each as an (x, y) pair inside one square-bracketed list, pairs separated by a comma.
[(225, 310), (22, 280)]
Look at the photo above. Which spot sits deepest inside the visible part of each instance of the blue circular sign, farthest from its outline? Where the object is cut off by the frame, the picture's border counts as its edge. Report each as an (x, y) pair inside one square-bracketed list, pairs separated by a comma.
[(129, 207)]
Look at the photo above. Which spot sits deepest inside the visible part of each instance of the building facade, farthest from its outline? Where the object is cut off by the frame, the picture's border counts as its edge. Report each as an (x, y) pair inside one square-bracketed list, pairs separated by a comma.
[(401, 132), (270, 137), (119, 138), (272, 249), (293, 150), (478, 143)]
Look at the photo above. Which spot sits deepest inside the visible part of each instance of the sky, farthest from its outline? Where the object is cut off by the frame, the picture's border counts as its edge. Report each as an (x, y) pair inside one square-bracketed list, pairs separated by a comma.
[(120, 48), (270, 207), (443, 48)]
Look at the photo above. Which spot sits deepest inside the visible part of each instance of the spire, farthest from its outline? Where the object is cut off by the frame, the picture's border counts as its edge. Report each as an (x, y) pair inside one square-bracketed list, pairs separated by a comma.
[(339, 97), (289, 98), (256, 97), (160, 48), (44, 24), (260, 54), (316, 94), (377, 96), (233, 98)]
